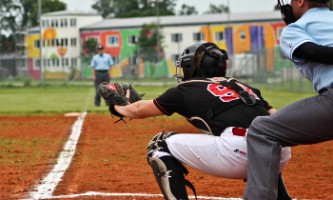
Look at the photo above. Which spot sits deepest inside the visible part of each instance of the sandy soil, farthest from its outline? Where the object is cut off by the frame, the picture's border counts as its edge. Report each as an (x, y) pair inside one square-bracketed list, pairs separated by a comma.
[(111, 158)]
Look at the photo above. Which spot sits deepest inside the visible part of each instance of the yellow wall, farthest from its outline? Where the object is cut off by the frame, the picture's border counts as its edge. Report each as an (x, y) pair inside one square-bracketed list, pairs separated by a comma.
[(32, 51)]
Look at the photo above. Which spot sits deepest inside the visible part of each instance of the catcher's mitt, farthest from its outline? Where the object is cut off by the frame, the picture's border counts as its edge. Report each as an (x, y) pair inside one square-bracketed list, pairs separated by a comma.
[(118, 94)]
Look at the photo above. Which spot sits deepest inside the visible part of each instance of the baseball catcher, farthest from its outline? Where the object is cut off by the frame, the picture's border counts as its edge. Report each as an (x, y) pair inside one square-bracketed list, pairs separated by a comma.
[(118, 94), (222, 107)]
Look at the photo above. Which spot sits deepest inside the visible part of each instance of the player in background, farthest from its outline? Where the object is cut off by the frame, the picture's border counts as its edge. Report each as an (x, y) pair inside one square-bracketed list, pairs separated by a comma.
[(101, 64), (221, 107), (307, 41)]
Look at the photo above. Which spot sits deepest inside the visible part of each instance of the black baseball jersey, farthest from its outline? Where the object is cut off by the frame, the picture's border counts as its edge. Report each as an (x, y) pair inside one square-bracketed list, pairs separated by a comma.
[(211, 106)]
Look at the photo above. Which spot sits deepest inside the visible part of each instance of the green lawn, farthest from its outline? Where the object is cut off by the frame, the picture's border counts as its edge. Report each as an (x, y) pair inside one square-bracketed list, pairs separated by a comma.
[(62, 99)]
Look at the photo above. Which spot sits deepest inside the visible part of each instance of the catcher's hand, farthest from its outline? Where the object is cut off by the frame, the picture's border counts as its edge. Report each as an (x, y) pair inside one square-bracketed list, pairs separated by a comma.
[(118, 94)]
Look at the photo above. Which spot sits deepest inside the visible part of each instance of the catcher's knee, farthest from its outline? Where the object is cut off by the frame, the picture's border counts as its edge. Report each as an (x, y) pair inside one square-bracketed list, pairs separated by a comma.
[(158, 145)]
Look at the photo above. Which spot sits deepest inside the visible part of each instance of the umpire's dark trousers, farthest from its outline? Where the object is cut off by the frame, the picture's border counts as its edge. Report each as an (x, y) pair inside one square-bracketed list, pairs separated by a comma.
[(101, 76), (308, 121)]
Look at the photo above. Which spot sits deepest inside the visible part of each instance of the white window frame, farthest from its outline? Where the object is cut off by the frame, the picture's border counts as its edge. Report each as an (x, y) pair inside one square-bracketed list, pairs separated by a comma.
[(242, 35), (73, 22), (198, 37), (176, 37), (219, 36), (116, 60), (174, 57), (114, 42), (132, 39), (73, 42)]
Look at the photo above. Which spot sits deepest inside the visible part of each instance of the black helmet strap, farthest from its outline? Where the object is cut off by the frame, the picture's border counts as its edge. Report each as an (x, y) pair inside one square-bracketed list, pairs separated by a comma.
[(286, 12)]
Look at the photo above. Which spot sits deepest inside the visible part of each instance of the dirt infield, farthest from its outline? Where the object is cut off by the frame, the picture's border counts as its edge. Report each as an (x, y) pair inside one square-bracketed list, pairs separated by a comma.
[(110, 158)]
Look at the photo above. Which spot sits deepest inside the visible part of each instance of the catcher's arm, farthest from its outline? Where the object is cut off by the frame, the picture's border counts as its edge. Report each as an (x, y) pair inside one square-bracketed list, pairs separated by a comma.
[(125, 101), (138, 110)]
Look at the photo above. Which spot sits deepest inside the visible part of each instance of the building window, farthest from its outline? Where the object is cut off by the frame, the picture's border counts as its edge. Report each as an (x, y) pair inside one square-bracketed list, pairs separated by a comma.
[(279, 31), (64, 61), (54, 23), (73, 42), (45, 23), (54, 42), (197, 37), (174, 57), (73, 22), (219, 36), (112, 41), (132, 60), (53, 62), (132, 39), (63, 42), (36, 44), (242, 35), (63, 22), (48, 62), (74, 62), (37, 63), (176, 37), (115, 60)]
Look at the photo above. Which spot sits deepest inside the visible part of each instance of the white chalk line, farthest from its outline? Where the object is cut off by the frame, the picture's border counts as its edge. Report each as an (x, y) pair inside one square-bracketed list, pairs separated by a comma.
[(47, 186), (102, 194)]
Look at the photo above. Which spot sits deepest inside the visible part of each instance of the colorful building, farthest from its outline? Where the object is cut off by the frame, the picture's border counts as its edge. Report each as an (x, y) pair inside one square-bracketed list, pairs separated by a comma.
[(252, 40), (60, 49), (244, 35)]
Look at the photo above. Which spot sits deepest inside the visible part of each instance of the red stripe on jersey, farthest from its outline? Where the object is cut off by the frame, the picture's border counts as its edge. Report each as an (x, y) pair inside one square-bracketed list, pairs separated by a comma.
[(161, 108)]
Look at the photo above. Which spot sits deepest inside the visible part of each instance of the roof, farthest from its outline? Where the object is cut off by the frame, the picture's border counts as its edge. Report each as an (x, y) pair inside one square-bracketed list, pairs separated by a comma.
[(70, 13), (33, 30), (186, 20)]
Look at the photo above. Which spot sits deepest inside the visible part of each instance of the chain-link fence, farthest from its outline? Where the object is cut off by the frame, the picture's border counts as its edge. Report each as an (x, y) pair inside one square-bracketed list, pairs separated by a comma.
[(252, 67)]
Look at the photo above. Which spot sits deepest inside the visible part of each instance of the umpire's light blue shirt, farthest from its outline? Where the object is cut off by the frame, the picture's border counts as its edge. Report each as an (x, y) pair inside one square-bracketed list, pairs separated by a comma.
[(101, 62), (316, 25)]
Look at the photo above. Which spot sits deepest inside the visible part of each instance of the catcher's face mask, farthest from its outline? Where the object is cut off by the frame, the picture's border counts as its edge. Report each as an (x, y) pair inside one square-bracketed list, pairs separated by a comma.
[(185, 64), (286, 12)]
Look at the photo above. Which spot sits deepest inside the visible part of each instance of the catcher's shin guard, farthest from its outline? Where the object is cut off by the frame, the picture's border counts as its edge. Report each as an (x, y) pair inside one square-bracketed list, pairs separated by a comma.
[(169, 174)]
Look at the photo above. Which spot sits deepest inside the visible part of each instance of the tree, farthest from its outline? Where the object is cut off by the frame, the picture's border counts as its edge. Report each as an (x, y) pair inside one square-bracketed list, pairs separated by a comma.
[(188, 10), (90, 45), (9, 14), (134, 8), (104, 7), (213, 9), (149, 43), (30, 10), (7, 43)]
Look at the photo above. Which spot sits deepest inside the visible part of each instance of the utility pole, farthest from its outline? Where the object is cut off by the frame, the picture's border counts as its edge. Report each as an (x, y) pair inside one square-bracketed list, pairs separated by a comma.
[(157, 31), (41, 69)]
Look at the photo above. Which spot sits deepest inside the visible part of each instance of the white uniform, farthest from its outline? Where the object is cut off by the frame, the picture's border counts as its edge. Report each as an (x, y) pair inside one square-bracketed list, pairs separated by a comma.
[(223, 156)]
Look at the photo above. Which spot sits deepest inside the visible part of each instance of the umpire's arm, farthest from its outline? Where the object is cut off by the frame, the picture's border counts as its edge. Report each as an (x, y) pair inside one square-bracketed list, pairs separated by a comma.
[(138, 110)]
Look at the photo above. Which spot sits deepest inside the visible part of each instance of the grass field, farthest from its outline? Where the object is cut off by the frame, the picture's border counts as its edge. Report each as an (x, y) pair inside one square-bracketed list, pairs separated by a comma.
[(60, 99)]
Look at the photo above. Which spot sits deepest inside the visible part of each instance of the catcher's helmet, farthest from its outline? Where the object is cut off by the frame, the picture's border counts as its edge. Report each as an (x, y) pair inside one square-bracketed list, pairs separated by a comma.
[(204, 59)]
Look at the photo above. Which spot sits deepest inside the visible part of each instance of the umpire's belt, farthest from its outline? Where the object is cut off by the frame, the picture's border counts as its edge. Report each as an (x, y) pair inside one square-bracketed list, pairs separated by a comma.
[(102, 71)]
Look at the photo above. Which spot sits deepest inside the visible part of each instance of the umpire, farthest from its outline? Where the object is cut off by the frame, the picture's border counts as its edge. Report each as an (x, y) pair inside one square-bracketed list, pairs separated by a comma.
[(101, 64)]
